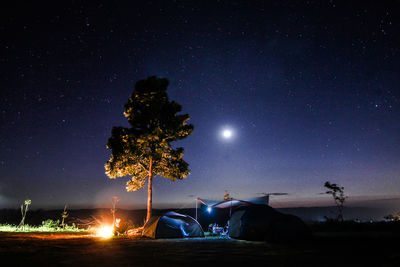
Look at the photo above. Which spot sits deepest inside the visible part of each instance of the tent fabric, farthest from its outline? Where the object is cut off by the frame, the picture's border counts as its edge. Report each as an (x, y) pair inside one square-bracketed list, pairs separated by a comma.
[(150, 227), (261, 222), (264, 200), (172, 225)]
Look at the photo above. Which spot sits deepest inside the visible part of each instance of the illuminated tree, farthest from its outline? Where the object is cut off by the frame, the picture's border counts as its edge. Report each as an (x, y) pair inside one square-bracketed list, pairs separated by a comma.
[(144, 150), (114, 202), (337, 193), (227, 196), (64, 215), (24, 210)]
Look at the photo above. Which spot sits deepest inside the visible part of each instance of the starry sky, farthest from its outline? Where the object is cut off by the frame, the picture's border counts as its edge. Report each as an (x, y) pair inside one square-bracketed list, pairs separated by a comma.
[(309, 89)]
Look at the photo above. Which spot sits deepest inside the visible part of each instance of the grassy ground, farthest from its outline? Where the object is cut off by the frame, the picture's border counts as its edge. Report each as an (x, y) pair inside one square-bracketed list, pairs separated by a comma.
[(76, 249), (41, 228)]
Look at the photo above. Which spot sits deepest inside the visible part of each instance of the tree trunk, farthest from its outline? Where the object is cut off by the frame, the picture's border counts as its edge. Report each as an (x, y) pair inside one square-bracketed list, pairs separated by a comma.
[(340, 216), (150, 192)]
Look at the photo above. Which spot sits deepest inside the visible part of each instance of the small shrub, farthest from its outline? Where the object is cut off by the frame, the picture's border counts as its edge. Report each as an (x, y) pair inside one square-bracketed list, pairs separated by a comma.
[(393, 217), (51, 223)]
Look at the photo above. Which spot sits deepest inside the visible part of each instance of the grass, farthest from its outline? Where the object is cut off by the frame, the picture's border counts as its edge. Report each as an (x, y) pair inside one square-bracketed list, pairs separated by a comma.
[(42, 228)]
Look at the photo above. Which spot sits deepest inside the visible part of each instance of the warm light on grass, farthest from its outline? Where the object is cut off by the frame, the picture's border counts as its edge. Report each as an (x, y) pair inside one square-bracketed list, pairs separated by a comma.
[(42, 228), (105, 231)]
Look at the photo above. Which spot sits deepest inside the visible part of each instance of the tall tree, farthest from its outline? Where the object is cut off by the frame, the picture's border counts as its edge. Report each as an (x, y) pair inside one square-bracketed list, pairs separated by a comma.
[(144, 150)]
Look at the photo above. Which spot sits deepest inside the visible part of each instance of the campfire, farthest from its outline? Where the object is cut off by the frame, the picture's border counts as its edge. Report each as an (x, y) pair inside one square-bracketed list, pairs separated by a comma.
[(105, 231)]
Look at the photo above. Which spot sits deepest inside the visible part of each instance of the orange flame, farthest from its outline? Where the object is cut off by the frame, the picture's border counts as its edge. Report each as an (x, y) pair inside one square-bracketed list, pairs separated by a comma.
[(117, 221), (106, 231)]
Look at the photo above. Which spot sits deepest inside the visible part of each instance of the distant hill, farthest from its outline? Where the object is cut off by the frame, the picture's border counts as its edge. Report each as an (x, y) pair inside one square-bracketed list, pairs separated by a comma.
[(309, 214)]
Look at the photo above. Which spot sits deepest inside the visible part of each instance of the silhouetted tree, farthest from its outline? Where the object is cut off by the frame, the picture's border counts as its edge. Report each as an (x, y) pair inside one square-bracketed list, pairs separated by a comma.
[(144, 150), (393, 217), (337, 193)]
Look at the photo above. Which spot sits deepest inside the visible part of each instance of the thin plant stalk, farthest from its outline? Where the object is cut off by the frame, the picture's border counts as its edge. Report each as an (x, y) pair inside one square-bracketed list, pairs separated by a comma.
[(24, 210)]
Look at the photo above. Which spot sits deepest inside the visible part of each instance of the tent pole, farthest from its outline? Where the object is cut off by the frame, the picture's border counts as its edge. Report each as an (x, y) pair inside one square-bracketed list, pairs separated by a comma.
[(230, 216), (196, 209), (230, 210)]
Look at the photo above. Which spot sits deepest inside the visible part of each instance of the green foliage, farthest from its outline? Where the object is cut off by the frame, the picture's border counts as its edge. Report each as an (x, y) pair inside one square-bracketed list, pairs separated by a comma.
[(144, 150), (50, 223), (73, 228), (155, 124), (337, 193), (47, 226)]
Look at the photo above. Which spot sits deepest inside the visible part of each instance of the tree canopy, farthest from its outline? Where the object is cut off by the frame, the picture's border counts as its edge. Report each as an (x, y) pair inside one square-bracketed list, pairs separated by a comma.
[(144, 150)]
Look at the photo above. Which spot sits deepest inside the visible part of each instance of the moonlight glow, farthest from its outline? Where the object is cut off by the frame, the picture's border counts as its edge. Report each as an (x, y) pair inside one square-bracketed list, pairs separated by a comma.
[(226, 133)]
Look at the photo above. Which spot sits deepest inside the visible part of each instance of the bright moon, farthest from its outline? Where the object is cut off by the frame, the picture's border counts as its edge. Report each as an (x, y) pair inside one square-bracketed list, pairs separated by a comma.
[(227, 133)]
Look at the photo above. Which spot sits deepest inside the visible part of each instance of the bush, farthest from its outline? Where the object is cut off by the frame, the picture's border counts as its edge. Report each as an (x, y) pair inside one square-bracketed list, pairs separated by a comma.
[(123, 227), (51, 223)]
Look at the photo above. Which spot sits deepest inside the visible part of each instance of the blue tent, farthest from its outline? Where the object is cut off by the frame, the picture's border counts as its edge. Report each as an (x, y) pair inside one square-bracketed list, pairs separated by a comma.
[(172, 225)]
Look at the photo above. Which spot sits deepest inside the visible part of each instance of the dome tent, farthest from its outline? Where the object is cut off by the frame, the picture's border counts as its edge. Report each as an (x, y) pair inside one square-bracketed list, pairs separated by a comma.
[(261, 222), (172, 225)]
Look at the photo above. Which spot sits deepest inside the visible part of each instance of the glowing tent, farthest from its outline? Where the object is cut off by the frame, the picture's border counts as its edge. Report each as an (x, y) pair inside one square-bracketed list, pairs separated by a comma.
[(172, 225)]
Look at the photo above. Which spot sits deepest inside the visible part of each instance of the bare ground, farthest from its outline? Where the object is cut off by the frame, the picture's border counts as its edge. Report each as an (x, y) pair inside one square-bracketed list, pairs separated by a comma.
[(85, 250)]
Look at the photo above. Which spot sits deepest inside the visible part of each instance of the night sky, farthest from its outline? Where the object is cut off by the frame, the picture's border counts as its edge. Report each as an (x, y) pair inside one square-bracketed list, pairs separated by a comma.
[(309, 89)]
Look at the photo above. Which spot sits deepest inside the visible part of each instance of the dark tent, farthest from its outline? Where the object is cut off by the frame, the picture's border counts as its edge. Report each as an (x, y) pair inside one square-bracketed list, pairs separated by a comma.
[(261, 222), (172, 225)]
